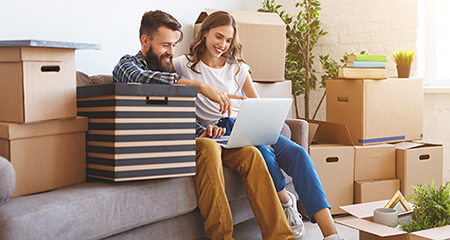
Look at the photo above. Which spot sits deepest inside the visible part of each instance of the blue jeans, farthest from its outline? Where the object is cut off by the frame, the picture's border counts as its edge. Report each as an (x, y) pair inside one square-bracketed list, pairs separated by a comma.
[(295, 161)]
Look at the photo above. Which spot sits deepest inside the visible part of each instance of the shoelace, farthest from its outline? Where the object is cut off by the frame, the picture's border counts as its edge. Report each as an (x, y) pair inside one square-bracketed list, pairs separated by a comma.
[(293, 217)]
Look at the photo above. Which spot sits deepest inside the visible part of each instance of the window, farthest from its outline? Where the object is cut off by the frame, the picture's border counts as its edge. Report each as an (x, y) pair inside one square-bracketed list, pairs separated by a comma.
[(434, 37)]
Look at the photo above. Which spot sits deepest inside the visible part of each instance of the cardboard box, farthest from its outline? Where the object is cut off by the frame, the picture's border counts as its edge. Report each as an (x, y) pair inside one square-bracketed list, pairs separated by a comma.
[(263, 36), (377, 111), (375, 190), (46, 155), (374, 162), (275, 90), (139, 131), (38, 84), (368, 230), (419, 163), (332, 152)]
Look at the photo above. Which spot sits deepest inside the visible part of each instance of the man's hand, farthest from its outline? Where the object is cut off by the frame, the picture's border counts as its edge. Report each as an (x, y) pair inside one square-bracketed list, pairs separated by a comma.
[(220, 97), (213, 132)]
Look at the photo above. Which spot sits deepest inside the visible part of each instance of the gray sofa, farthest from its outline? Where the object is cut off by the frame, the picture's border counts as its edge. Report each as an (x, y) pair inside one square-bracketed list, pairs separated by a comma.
[(151, 209)]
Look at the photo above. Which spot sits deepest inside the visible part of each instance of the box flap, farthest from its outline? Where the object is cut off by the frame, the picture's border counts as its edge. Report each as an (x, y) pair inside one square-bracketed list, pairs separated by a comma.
[(363, 210), (246, 17), (328, 132), (371, 227), (44, 128), (413, 145), (434, 233), (124, 89)]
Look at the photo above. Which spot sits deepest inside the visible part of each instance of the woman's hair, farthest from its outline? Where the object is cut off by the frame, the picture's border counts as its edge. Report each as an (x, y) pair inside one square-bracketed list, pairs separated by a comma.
[(198, 46), (152, 20)]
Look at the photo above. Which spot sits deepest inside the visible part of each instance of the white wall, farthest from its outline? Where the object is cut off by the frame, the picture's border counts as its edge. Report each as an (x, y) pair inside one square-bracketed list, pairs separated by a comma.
[(113, 24)]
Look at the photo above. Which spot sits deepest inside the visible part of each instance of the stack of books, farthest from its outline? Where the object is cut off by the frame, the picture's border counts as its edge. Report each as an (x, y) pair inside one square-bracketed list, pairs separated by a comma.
[(369, 66)]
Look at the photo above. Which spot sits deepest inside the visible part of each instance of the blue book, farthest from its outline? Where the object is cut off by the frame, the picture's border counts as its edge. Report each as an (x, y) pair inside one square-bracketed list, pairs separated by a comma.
[(366, 64)]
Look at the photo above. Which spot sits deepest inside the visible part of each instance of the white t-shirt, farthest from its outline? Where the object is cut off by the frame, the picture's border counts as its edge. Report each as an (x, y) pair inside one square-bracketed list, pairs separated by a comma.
[(223, 79)]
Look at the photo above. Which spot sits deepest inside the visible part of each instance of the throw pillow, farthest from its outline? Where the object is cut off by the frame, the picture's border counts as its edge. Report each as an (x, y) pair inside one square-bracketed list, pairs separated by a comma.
[(7, 180)]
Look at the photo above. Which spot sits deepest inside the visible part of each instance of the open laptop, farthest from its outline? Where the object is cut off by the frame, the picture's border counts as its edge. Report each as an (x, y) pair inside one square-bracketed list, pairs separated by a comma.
[(258, 122)]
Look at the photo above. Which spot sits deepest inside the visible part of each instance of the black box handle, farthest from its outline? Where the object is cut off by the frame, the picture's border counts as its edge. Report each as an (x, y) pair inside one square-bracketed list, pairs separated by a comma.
[(50, 69), (332, 159), (162, 100)]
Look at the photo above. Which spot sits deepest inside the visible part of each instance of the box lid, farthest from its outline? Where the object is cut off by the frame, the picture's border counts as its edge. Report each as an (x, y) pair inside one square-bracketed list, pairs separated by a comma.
[(246, 17), (49, 44), (127, 89), (434, 233), (415, 145), (328, 132), (371, 227), (44, 128)]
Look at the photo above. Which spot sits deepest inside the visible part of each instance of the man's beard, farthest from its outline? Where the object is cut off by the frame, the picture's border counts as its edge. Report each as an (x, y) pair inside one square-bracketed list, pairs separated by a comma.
[(156, 62)]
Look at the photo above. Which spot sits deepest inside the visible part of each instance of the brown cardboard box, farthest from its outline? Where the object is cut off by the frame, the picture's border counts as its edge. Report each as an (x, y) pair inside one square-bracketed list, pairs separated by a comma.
[(263, 36), (375, 190), (374, 162), (419, 163), (332, 152), (377, 111), (46, 155), (38, 84), (368, 230)]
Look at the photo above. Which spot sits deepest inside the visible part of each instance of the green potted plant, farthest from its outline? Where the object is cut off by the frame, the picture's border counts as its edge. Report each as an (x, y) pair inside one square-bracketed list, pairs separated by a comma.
[(403, 58), (431, 207), (302, 33)]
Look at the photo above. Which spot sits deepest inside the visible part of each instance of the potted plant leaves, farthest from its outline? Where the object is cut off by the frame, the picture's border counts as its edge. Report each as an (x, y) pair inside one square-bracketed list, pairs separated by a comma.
[(431, 207), (403, 58)]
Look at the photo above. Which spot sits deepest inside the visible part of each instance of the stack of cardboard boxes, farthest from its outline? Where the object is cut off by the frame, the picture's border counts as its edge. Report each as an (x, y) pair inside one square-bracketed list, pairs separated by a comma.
[(40, 132), (383, 118)]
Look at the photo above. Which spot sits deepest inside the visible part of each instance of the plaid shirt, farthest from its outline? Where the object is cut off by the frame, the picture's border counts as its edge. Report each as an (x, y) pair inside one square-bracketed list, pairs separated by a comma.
[(135, 69)]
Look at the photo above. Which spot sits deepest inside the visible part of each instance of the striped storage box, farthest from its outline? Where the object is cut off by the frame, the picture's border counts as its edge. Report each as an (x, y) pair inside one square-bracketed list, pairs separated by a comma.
[(138, 131)]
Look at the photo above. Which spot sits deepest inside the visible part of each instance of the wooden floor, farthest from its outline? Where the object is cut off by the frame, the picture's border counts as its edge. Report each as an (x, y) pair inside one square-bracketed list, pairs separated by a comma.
[(249, 230)]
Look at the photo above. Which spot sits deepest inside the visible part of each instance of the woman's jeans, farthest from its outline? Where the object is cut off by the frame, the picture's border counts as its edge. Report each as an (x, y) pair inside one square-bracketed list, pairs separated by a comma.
[(297, 163)]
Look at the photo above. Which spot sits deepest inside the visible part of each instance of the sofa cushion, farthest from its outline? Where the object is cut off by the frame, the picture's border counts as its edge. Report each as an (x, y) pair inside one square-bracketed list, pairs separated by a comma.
[(97, 209), (7, 180)]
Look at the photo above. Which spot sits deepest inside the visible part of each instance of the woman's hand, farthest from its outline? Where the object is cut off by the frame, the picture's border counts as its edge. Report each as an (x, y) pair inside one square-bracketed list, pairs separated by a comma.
[(213, 132), (220, 97)]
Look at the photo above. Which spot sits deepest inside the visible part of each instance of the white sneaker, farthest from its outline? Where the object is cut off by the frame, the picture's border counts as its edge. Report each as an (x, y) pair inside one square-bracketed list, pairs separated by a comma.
[(294, 218)]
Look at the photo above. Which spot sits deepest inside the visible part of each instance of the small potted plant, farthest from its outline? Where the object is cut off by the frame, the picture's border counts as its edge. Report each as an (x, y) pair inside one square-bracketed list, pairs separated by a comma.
[(431, 207), (403, 58)]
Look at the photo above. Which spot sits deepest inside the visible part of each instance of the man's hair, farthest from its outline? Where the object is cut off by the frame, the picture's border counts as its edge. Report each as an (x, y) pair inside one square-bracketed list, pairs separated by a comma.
[(153, 20)]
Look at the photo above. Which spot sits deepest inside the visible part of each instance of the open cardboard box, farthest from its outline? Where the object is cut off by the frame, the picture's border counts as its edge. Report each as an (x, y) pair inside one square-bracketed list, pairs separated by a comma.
[(263, 36), (332, 151), (368, 230)]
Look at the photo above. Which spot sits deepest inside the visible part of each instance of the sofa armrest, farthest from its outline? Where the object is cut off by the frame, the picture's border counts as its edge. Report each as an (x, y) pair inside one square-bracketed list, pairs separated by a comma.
[(299, 131)]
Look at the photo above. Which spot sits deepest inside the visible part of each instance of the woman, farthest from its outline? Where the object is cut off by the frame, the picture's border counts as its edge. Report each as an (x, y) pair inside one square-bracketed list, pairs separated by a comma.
[(215, 59)]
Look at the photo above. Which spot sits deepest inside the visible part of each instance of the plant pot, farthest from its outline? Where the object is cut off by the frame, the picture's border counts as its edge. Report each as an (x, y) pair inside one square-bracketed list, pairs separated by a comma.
[(403, 71)]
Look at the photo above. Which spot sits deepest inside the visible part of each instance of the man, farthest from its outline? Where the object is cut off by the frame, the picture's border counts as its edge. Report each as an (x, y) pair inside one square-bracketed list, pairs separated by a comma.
[(153, 64)]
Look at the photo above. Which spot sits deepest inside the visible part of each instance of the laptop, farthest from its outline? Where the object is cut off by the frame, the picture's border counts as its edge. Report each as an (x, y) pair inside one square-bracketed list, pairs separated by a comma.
[(258, 122)]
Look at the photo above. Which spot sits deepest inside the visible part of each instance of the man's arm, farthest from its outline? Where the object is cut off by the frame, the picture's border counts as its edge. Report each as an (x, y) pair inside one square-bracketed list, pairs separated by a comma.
[(129, 70)]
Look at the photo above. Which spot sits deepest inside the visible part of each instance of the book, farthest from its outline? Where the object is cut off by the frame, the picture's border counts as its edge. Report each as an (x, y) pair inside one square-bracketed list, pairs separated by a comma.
[(362, 73), (366, 64), (367, 58)]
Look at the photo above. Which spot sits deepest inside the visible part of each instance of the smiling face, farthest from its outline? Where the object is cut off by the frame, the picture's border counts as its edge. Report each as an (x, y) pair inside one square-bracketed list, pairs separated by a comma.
[(218, 40), (158, 52)]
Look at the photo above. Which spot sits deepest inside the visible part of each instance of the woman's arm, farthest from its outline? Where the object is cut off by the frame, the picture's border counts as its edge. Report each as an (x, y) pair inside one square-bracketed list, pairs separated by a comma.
[(249, 89)]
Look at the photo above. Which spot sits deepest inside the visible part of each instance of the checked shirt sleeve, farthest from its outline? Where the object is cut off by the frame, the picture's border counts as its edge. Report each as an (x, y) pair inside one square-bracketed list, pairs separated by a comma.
[(199, 129), (131, 69)]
